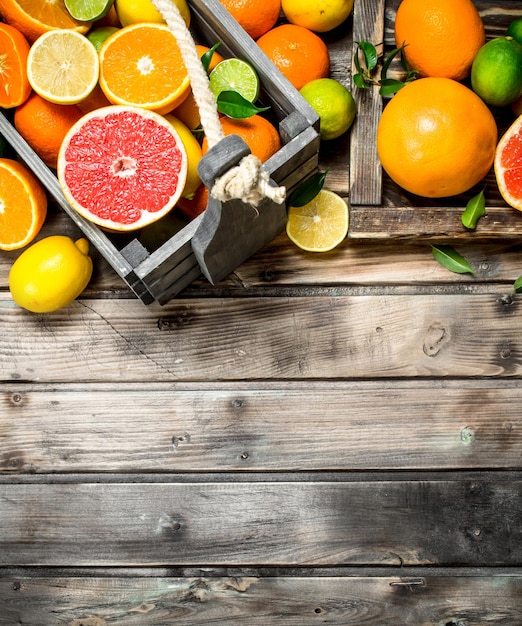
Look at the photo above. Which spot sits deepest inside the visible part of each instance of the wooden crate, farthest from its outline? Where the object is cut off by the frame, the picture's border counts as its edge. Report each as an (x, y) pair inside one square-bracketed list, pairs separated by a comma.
[(225, 235), (380, 210)]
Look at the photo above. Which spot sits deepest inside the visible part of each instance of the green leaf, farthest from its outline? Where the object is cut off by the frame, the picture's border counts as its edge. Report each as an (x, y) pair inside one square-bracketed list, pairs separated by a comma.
[(449, 258), (389, 59), (232, 104), (308, 189), (389, 86), (370, 54), (517, 286), (358, 81), (475, 209), (206, 58)]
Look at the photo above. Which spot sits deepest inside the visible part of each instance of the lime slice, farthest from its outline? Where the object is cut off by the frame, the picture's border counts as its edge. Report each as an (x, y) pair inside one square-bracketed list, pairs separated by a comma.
[(320, 225), (235, 75), (88, 10), (63, 66)]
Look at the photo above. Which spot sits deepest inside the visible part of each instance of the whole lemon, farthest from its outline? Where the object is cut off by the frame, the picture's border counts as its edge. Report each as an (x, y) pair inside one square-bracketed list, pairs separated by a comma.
[(319, 16), (334, 105), (135, 11), (496, 73), (50, 274)]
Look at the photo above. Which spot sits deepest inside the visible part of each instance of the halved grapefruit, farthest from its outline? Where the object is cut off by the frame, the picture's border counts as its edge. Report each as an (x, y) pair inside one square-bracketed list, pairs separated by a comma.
[(508, 165), (122, 167)]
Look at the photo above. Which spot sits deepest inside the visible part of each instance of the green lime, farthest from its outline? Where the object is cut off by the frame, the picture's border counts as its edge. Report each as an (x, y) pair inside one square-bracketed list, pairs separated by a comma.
[(334, 105), (88, 10), (97, 36), (496, 73), (235, 75), (515, 30)]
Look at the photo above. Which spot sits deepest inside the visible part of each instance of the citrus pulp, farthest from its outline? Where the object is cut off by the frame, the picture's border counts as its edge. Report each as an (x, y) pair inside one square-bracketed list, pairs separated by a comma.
[(122, 167), (508, 165), (320, 225), (14, 84), (23, 205)]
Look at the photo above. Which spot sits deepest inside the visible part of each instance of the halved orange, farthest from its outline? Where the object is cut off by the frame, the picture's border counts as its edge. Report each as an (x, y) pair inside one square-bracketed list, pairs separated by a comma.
[(14, 84), (35, 17), (141, 65), (23, 205)]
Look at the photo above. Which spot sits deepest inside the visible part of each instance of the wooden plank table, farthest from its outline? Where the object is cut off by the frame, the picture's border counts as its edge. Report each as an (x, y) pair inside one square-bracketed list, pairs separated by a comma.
[(316, 439)]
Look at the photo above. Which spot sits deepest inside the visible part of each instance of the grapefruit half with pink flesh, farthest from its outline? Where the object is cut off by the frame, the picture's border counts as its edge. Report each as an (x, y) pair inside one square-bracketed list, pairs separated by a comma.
[(508, 165), (122, 167)]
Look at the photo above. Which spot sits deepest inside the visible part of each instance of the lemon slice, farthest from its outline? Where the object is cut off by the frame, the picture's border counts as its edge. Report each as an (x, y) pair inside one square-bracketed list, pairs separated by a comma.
[(63, 66), (235, 75), (320, 225)]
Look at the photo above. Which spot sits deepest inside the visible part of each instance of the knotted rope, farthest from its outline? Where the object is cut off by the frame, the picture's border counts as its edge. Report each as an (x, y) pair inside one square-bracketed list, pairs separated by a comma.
[(248, 181)]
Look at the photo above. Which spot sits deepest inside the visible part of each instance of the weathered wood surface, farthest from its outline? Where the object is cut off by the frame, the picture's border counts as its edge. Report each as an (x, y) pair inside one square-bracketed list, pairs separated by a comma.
[(321, 337), (437, 520), (316, 439), (363, 425), (240, 597)]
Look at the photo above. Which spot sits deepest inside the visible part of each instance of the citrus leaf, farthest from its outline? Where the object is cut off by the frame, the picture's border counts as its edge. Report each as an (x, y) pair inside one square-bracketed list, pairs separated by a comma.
[(475, 209), (206, 58), (358, 81), (370, 54), (307, 190), (232, 104), (449, 258), (389, 59), (517, 286), (389, 86)]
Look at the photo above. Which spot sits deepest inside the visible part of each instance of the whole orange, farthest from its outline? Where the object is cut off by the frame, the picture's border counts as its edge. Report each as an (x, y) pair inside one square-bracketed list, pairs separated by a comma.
[(44, 124), (441, 37), (255, 16), (436, 138), (298, 53), (258, 133)]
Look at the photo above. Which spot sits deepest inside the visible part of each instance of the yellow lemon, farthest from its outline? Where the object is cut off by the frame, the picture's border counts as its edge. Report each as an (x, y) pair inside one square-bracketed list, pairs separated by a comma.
[(50, 274), (194, 153), (136, 11), (319, 16)]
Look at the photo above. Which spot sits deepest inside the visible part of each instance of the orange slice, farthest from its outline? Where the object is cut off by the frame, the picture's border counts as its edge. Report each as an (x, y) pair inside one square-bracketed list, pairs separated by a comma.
[(14, 85), (508, 165), (35, 17), (23, 205), (141, 65)]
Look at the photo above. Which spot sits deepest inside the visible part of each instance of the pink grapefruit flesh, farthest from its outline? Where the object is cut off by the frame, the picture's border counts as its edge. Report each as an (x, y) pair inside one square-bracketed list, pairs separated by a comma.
[(508, 165), (122, 167)]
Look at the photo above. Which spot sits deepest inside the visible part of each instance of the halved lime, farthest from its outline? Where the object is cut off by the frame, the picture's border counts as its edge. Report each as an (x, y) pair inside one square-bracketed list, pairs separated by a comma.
[(320, 225), (235, 75), (88, 10)]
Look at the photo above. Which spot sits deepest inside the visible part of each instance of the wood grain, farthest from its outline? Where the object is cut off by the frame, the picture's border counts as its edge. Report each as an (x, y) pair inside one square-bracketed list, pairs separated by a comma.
[(241, 598), (334, 426), (329, 337), (438, 520)]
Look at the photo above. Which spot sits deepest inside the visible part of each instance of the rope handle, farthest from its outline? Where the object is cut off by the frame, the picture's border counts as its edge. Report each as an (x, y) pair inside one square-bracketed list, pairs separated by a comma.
[(248, 181)]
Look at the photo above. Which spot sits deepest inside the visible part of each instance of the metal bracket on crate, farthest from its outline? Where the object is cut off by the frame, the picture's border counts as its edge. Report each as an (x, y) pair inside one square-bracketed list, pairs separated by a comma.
[(230, 232)]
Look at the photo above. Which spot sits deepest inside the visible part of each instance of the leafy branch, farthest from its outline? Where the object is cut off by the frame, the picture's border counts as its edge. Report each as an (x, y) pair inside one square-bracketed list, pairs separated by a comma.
[(366, 60)]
